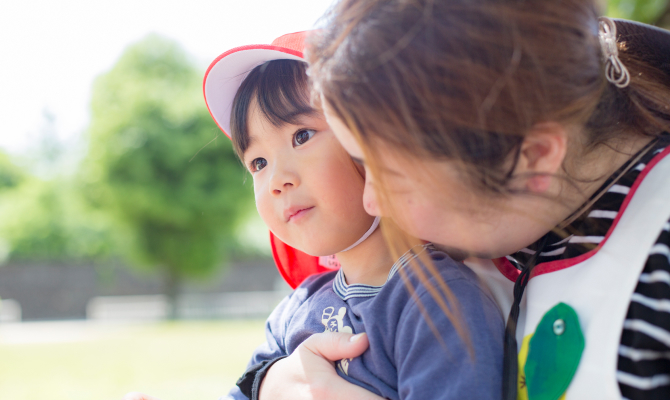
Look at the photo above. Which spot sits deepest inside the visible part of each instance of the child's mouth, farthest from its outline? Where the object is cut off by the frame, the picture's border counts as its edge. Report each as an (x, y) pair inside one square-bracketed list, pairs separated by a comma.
[(295, 214)]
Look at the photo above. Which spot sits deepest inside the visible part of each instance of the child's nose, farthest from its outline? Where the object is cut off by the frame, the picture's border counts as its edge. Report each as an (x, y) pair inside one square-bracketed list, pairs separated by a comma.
[(279, 190), (282, 180)]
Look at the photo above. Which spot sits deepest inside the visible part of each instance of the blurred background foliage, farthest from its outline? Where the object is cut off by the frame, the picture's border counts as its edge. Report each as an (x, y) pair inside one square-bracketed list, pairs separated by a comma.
[(655, 12), (10, 174), (49, 220), (157, 185), (160, 166)]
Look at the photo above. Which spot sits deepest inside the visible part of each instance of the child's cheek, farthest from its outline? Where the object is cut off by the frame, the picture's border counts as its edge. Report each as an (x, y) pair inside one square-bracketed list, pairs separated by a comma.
[(264, 205)]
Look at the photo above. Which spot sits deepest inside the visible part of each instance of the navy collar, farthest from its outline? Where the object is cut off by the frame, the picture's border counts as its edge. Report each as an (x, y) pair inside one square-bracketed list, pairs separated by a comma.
[(346, 292)]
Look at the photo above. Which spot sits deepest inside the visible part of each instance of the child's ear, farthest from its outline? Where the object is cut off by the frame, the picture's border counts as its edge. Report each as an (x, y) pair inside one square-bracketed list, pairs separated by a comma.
[(541, 156)]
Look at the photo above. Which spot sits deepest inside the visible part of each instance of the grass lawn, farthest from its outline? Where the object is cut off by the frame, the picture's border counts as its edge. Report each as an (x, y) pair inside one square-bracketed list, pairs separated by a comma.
[(173, 361)]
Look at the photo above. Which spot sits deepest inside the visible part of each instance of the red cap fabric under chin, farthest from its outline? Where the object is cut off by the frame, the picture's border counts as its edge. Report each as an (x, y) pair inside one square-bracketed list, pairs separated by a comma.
[(294, 265)]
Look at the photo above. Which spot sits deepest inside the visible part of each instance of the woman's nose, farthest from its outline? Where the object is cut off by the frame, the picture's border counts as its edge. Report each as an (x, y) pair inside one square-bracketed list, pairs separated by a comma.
[(370, 202)]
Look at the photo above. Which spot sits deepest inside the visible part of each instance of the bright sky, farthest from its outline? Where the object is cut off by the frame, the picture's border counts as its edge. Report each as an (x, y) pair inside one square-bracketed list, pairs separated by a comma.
[(51, 51)]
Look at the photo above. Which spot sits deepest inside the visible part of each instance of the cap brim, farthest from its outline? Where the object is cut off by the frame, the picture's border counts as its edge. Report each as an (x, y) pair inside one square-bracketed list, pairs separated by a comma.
[(226, 73)]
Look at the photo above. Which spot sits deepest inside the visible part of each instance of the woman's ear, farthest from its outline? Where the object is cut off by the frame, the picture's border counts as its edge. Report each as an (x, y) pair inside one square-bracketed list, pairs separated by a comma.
[(541, 156)]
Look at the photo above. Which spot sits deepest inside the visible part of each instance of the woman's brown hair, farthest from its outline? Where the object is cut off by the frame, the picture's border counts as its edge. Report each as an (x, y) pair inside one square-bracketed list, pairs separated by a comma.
[(466, 80)]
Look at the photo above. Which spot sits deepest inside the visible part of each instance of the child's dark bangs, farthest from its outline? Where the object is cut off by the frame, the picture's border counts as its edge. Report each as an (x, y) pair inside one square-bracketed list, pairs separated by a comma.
[(282, 93), (280, 88)]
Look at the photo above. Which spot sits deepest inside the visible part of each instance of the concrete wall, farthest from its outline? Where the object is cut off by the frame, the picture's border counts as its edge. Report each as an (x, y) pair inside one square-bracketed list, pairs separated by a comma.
[(62, 291)]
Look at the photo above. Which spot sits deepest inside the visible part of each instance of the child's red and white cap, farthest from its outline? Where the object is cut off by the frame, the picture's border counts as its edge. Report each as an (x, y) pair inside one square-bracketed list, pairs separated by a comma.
[(222, 80), (227, 72)]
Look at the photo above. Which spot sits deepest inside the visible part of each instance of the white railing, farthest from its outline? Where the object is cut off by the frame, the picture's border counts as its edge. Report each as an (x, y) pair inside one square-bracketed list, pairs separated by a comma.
[(10, 310), (204, 306)]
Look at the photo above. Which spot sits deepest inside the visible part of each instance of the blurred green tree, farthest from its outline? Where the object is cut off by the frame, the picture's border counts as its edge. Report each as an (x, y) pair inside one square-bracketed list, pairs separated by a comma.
[(10, 174), (45, 218), (160, 165), (49, 221), (655, 12)]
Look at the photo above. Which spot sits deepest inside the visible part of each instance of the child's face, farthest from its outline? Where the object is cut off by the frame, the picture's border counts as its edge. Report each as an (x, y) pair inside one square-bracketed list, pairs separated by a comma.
[(308, 190)]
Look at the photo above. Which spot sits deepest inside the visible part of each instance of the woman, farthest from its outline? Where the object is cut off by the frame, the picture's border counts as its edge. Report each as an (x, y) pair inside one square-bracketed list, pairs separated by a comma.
[(530, 133)]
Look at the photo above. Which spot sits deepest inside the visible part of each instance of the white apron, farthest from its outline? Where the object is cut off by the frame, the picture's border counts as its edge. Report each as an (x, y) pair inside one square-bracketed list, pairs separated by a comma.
[(597, 285)]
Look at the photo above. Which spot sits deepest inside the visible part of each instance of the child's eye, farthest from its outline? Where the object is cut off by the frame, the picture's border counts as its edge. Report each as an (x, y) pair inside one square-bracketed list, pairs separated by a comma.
[(302, 136), (258, 164)]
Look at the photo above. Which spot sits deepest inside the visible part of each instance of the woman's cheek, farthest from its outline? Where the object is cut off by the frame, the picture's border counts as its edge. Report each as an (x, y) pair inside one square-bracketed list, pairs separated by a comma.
[(414, 216)]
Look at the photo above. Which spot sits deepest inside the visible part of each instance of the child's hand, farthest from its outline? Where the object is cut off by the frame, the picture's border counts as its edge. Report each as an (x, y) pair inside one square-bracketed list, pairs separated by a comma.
[(309, 374), (138, 396)]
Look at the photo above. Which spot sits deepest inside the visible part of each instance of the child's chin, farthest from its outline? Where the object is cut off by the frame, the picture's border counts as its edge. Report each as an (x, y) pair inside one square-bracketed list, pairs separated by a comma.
[(319, 251), (321, 246), (316, 253)]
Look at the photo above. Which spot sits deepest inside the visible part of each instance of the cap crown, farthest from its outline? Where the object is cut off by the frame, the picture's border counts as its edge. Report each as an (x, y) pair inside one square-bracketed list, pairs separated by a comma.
[(227, 72)]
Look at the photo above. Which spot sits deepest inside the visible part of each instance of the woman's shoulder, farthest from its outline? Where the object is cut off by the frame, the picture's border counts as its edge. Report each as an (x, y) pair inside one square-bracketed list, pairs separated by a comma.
[(430, 283), (449, 294), (639, 348), (444, 269)]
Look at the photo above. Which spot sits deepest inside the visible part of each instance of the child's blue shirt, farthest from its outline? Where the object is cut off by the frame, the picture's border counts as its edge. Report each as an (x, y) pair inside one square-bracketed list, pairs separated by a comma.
[(405, 359)]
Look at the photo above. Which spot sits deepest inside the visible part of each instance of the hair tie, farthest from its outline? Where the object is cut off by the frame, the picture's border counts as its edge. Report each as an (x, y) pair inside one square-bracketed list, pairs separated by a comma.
[(615, 72)]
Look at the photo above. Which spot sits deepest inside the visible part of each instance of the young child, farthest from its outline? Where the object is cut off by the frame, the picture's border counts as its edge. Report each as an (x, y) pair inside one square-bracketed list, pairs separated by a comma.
[(309, 193)]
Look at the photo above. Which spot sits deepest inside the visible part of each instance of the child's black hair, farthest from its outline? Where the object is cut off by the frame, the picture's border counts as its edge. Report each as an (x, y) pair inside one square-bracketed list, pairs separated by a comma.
[(279, 88)]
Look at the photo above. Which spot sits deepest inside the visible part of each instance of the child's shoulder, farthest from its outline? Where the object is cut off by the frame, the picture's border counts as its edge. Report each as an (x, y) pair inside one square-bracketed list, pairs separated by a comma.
[(301, 295), (313, 284)]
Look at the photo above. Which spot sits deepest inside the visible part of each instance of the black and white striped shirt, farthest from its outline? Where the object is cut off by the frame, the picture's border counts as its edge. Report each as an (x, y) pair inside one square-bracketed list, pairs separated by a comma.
[(644, 352)]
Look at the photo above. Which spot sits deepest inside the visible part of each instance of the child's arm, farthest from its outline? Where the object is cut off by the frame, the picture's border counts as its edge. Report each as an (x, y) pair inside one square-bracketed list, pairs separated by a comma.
[(450, 369)]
